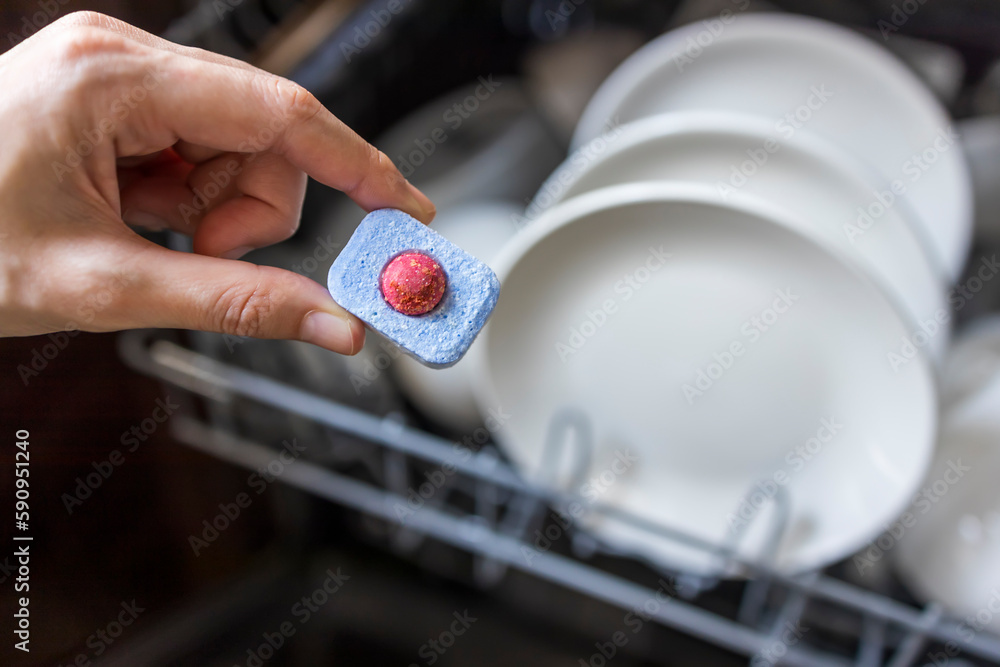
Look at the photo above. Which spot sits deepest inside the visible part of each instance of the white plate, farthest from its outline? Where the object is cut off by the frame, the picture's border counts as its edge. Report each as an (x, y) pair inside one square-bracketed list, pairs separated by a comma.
[(481, 229), (950, 552), (804, 174), (824, 358), (770, 65)]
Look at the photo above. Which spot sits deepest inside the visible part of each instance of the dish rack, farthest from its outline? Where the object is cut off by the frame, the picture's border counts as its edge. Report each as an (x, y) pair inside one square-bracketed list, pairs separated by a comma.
[(480, 506)]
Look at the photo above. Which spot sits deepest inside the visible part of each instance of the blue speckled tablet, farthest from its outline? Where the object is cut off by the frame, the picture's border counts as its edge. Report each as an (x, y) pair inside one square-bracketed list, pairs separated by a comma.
[(438, 338)]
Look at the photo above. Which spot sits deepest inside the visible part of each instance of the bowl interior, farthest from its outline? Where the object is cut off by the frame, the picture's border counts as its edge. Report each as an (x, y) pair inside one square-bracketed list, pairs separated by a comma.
[(806, 175), (710, 345)]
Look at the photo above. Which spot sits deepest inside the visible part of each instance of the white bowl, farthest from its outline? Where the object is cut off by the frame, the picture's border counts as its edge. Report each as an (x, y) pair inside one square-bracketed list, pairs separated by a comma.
[(697, 455), (445, 395), (951, 551), (805, 174), (773, 65)]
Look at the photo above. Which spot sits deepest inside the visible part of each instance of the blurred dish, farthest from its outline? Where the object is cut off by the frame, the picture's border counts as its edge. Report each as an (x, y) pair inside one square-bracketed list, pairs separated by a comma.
[(445, 395), (804, 174), (562, 75), (981, 139), (482, 141), (705, 372), (951, 551), (806, 75), (973, 361)]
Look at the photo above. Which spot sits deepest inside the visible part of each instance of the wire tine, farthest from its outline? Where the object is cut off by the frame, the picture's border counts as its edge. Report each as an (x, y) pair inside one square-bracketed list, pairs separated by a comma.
[(753, 601), (723, 555), (914, 640), (872, 644), (397, 477), (789, 614), (755, 596), (487, 571), (396, 472), (564, 424)]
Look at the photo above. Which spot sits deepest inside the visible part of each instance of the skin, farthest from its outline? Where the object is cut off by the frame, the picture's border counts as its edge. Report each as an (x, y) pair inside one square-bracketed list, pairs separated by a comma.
[(166, 122)]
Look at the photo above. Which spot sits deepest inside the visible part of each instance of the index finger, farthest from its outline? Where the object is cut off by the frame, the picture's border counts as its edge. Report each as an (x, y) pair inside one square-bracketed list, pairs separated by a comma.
[(249, 110)]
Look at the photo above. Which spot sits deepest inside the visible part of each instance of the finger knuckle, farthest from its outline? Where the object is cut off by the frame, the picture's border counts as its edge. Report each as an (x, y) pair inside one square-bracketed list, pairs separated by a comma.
[(244, 310), (294, 103), (84, 49)]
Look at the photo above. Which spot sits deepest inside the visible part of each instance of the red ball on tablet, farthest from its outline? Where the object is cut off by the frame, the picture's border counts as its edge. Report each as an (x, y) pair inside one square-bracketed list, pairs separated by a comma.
[(413, 283)]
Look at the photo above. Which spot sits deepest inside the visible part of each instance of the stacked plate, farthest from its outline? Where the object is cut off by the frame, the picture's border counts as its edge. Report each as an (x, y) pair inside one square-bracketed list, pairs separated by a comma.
[(739, 278)]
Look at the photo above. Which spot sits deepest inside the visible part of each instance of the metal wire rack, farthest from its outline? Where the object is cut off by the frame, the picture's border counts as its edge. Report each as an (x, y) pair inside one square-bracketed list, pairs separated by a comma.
[(484, 508)]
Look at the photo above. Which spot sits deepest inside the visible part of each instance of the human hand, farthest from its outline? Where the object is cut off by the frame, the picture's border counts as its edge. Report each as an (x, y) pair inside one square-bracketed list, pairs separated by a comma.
[(106, 126)]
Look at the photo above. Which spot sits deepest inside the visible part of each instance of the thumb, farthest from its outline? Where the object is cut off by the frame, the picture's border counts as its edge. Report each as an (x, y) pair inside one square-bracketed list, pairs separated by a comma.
[(186, 291)]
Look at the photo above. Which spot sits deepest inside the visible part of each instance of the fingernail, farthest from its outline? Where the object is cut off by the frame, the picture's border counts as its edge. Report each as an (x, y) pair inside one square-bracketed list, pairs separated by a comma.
[(422, 203), (236, 253), (329, 331)]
